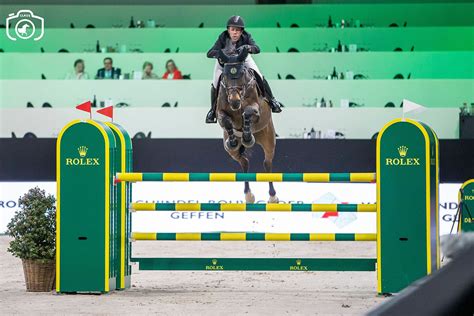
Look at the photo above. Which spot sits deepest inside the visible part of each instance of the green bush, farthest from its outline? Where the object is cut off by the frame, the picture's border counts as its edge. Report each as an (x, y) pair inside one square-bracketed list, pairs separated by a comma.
[(34, 227)]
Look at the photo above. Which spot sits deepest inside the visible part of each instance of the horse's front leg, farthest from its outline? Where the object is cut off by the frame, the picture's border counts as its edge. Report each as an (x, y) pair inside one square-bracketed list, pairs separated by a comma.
[(268, 164), (231, 143), (267, 140), (248, 140), (244, 163)]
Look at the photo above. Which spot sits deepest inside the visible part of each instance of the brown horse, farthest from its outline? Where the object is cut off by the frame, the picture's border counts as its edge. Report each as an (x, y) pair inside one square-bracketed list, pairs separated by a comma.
[(245, 116)]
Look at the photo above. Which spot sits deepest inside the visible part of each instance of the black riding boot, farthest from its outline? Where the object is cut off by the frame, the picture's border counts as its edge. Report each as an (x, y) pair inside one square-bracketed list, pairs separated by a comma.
[(211, 115), (274, 104)]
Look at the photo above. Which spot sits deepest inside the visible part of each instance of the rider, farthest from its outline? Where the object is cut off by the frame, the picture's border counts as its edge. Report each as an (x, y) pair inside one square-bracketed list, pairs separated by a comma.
[(235, 38)]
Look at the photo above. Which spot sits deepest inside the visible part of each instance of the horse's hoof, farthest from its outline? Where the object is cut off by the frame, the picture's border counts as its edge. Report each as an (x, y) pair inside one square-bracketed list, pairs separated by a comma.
[(249, 197), (250, 143), (228, 146), (273, 199)]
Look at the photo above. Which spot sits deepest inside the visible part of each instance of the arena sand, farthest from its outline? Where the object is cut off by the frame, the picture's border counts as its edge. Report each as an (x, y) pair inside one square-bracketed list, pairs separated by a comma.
[(210, 293)]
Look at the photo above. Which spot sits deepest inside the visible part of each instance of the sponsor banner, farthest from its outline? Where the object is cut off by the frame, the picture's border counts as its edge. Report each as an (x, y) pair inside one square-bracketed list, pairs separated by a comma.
[(196, 221), (192, 192), (10, 192)]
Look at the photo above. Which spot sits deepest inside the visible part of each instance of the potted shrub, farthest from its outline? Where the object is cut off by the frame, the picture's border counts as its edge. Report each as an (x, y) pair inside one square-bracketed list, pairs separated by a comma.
[(34, 231)]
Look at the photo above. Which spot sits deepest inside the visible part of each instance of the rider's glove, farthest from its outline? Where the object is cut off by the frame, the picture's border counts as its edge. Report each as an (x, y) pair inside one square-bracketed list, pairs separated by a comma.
[(247, 47)]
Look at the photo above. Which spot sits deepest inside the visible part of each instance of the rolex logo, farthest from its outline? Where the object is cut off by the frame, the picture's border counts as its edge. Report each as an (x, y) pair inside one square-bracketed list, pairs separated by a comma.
[(83, 160), (214, 265), (298, 266), (82, 151), (402, 161), (402, 150)]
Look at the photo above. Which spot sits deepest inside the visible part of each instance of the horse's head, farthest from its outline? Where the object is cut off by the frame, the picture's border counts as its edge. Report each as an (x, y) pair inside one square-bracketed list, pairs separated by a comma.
[(235, 78)]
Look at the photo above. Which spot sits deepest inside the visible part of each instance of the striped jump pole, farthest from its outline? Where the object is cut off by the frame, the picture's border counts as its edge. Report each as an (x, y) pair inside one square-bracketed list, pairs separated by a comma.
[(254, 207), (241, 177), (245, 236)]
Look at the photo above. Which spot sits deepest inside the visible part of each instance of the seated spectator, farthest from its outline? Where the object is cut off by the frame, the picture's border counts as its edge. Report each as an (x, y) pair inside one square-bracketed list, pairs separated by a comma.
[(172, 71), (79, 72), (108, 72), (148, 71)]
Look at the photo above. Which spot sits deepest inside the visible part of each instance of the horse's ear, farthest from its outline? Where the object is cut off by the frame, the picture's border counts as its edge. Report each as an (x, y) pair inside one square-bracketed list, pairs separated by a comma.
[(223, 56), (242, 55)]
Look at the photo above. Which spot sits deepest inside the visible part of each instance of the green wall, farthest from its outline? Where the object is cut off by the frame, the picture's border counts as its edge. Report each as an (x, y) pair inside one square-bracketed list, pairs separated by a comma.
[(195, 93), (374, 65), (441, 65), (381, 15), (200, 40)]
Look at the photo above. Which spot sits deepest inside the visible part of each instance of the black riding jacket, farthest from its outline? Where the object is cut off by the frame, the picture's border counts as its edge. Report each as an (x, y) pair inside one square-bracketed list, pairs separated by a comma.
[(245, 39)]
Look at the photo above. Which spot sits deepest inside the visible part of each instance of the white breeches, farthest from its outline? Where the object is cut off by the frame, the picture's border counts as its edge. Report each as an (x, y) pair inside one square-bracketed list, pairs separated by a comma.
[(249, 63)]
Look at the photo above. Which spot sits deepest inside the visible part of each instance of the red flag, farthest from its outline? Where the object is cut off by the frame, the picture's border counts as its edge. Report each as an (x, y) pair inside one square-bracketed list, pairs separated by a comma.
[(108, 111), (330, 214), (86, 106)]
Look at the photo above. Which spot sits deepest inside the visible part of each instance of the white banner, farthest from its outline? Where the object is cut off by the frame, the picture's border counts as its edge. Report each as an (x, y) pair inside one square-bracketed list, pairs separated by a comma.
[(194, 192), (10, 192)]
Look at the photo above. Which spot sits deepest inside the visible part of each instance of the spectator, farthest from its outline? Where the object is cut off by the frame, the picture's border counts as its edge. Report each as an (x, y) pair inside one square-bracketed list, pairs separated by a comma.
[(172, 71), (108, 72), (79, 72), (148, 71)]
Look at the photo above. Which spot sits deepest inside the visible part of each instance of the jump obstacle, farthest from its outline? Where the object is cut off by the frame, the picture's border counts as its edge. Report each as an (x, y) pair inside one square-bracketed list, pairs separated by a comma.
[(94, 176), (465, 214)]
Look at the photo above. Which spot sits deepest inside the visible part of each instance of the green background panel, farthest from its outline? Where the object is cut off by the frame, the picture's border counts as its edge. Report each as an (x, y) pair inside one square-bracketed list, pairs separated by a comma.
[(373, 65), (415, 14), (293, 93), (200, 40)]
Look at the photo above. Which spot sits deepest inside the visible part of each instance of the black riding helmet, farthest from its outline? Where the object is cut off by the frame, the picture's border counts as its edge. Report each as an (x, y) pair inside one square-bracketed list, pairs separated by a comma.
[(236, 21)]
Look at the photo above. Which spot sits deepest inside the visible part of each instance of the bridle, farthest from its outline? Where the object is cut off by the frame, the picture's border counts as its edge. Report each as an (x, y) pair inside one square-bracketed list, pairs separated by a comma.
[(241, 90)]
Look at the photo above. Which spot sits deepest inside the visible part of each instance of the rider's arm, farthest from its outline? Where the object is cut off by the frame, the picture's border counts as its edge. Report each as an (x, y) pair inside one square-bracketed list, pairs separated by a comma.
[(252, 46), (214, 51)]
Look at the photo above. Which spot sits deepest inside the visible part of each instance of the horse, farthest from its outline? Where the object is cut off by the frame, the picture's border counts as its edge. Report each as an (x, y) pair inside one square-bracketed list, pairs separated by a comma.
[(245, 116)]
